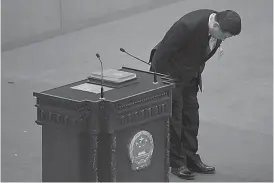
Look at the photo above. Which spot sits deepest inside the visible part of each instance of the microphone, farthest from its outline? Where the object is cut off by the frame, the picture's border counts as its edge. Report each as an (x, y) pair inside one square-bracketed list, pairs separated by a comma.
[(102, 75), (155, 75)]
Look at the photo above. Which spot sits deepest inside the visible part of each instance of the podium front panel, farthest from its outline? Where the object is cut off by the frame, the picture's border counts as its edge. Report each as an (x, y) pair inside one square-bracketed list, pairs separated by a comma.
[(122, 138), (156, 169), (139, 118)]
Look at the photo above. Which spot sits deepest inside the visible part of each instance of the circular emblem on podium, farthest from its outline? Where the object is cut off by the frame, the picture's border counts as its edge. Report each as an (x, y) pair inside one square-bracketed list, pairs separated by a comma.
[(141, 150)]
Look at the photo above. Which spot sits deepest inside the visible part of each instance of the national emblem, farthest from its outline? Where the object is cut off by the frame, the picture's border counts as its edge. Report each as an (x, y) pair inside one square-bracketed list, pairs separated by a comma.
[(141, 150)]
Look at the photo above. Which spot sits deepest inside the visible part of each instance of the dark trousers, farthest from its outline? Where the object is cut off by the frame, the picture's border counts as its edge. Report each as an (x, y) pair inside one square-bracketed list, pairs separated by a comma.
[(184, 124)]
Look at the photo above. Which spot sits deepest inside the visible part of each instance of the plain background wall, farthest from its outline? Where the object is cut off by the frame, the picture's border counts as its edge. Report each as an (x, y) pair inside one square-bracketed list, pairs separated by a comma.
[(83, 10), (28, 21), (26, 18)]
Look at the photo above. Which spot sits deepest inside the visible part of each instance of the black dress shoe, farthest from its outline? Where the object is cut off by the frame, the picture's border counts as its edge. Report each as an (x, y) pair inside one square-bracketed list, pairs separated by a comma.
[(183, 172), (199, 167)]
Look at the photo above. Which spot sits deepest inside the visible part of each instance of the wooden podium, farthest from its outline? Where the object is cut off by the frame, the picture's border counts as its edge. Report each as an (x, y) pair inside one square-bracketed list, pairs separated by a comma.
[(123, 137)]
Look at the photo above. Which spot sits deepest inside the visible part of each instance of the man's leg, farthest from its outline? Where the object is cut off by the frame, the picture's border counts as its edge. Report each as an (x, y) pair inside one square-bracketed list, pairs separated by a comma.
[(190, 118), (177, 154), (190, 123)]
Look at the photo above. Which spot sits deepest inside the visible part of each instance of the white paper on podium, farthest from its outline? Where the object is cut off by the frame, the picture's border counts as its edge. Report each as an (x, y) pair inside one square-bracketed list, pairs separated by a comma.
[(88, 87)]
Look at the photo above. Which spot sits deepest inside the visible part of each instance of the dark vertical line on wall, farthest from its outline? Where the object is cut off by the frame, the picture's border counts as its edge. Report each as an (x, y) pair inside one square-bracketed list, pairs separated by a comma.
[(61, 17)]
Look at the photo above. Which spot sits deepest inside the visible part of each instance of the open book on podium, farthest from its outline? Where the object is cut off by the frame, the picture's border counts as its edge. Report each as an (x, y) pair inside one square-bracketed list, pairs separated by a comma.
[(122, 137), (114, 76), (111, 78)]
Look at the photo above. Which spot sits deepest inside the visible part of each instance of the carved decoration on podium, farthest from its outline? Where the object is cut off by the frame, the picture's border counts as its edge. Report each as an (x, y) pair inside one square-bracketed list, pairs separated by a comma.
[(95, 156), (155, 97), (167, 149), (113, 157), (45, 116), (143, 114), (140, 150)]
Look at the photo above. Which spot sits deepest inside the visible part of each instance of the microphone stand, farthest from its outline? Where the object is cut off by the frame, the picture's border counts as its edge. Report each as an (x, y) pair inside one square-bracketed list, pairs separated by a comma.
[(102, 76), (155, 75)]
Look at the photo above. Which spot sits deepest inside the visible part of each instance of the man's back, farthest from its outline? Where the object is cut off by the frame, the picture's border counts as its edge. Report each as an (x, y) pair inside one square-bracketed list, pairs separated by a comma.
[(183, 48)]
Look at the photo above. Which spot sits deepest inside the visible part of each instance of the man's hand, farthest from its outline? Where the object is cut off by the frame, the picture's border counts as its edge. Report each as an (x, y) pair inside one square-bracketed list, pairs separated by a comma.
[(220, 52)]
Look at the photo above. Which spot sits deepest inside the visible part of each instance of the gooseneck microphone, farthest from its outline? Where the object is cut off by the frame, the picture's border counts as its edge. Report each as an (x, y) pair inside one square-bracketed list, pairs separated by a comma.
[(102, 76), (155, 75)]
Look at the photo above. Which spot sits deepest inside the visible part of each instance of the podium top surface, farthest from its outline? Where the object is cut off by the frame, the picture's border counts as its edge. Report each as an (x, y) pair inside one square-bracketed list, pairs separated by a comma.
[(90, 91)]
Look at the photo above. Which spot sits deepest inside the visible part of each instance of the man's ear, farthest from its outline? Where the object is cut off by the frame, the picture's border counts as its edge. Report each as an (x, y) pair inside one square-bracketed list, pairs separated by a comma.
[(216, 25)]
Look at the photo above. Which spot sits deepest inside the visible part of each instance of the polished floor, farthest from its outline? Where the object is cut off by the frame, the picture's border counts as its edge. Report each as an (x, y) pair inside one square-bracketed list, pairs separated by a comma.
[(236, 128)]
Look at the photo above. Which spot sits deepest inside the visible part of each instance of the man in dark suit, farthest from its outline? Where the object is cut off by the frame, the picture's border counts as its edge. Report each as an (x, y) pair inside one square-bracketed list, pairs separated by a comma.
[(182, 55)]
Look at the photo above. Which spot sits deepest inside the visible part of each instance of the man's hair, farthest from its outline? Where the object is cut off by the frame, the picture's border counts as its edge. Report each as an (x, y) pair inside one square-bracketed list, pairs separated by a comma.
[(229, 21)]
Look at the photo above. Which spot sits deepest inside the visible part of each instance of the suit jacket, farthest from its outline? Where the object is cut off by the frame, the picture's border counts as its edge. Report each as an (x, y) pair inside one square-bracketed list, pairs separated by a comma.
[(182, 52)]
